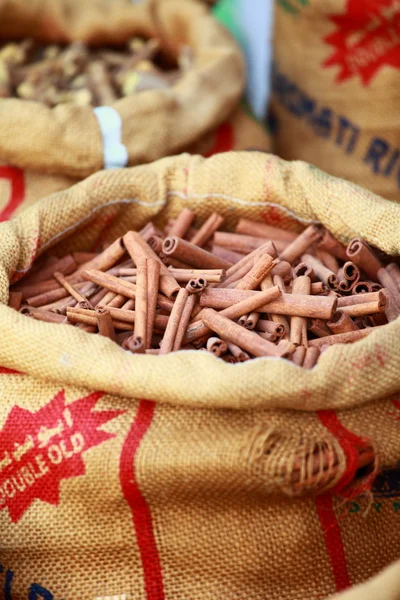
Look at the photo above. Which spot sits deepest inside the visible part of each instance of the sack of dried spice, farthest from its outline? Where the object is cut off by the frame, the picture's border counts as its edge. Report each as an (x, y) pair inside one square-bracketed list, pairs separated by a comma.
[(127, 474), (334, 88), (99, 84)]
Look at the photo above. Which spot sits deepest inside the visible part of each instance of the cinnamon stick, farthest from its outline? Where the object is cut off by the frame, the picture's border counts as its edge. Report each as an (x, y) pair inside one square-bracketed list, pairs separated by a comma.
[(217, 346), (192, 255), (311, 358), (362, 255), (141, 322), (248, 340), (207, 230), (394, 272), (288, 304), (298, 325), (44, 315), (229, 255), (299, 355), (341, 323), (182, 223), (168, 340), (153, 280), (107, 259), (244, 243), (255, 228), (238, 353), (137, 248), (252, 320), (120, 315), (332, 245), (301, 244), (69, 288), (112, 283), (263, 265), (390, 284), (15, 300), (104, 321), (321, 271), (134, 345), (249, 304)]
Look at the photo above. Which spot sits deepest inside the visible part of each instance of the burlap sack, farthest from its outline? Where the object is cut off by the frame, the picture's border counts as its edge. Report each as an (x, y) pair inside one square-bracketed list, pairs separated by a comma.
[(336, 83), (73, 140), (169, 477), (19, 189), (241, 132)]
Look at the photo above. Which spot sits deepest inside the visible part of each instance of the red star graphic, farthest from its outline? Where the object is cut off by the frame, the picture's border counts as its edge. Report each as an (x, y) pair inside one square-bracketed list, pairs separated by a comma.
[(39, 449)]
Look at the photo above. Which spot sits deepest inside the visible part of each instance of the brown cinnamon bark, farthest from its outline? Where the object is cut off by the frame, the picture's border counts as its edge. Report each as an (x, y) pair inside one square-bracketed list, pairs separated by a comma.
[(104, 321), (217, 346), (255, 228), (44, 315), (141, 324), (298, 325), (360, 253), (69, 288), (192, 255), (299, 355), (394, 272), (228, 255), (168, 340), (248, 340), (301, 244), (390, 284), (332, 245), (244, 243), (182, 223), (289, 304), (263, 265), (321, 271), (311, 358), (153, 281), (137, 248), (341, 323), (207, 230), (112, 283), (15, 300), (107, 259)]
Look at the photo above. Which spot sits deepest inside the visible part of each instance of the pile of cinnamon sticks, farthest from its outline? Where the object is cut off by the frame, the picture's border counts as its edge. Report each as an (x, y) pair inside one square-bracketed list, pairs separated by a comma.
[(83, 76), (258, 291)]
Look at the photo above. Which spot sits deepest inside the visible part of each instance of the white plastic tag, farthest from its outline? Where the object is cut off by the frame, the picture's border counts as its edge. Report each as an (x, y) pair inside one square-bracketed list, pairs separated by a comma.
[(114, 152)]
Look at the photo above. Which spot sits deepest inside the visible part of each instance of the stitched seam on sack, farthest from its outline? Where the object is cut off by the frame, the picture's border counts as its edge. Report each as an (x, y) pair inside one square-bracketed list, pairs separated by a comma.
[(87, 217), (241, 201)]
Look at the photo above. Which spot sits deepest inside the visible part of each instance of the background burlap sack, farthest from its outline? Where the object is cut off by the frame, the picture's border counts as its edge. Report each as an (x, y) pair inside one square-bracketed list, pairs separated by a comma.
[(19, 189), (67, 140), (241, 132), (336, 86), (169, 477)]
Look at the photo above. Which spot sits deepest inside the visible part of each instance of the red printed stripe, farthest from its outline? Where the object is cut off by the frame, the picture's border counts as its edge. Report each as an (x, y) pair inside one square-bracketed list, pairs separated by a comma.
[(16, 179), (350, 443), (141, 514), (5, 371), (333, 540), (324, 502), (224, 142)]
